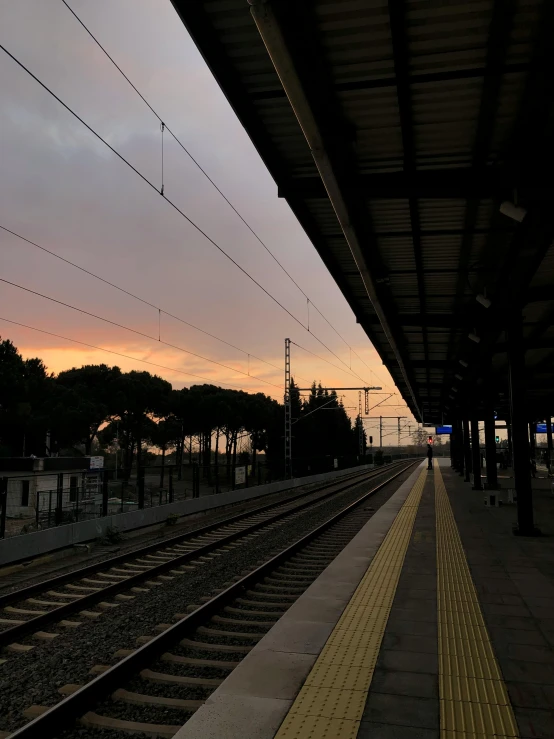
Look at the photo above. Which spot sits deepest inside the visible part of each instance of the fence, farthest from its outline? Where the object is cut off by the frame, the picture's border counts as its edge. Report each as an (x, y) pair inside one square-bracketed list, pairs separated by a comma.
[(35, 501)]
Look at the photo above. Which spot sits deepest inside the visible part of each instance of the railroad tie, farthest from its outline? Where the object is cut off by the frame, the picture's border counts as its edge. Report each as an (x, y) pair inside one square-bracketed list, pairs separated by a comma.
[(156, 700), (133, 727), (44, 635), (162, 677), (195, 662), (16, 647), (206, 647)]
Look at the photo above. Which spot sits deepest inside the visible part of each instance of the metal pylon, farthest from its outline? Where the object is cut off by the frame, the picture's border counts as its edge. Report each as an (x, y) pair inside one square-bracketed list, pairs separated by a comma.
[(288, 419), (360, 425)]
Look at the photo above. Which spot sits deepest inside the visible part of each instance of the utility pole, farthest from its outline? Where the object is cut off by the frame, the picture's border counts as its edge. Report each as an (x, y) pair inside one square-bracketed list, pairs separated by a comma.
[(389, 418), (288, 420), (360, 425), (116, 448), (288, 410)]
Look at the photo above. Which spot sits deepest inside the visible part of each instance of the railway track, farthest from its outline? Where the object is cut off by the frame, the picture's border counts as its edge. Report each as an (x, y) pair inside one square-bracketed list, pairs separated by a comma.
[(156, 686), (89, 592)]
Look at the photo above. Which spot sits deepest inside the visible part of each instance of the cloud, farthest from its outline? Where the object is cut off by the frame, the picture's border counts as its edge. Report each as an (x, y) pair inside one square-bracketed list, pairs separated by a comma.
[(60, 187)]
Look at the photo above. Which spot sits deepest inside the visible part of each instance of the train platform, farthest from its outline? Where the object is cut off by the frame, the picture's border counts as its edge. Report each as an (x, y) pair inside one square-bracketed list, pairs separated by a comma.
[(434, 621)]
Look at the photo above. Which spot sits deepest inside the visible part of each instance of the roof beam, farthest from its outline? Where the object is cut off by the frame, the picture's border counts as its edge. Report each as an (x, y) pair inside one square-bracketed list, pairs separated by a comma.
[(497, 44), (428, 320), (419, 78), (530, 143), (478, 181), (397, 22), (295, 55)]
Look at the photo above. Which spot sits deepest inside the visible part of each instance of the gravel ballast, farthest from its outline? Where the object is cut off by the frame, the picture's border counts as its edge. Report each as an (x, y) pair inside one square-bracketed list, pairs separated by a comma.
[(35, 677)]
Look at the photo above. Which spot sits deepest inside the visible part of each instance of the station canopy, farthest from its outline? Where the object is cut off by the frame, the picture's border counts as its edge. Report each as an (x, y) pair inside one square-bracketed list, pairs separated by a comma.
[(413, 141)]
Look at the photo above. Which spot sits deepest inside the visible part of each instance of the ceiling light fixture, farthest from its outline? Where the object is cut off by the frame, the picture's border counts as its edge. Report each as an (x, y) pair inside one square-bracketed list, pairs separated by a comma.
[(458, 377), (483, 300), (515, 212), (473, 337), (463, 362)]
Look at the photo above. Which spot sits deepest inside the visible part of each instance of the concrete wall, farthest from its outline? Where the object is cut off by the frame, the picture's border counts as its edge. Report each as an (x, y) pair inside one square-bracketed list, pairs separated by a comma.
[(17, 548)]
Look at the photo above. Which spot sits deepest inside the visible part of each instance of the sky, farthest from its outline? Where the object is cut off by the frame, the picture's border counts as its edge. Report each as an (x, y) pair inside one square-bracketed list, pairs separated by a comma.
[(63, 189)]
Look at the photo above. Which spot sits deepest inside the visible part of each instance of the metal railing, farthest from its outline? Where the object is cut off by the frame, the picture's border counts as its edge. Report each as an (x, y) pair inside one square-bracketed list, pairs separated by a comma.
[(35, 501)]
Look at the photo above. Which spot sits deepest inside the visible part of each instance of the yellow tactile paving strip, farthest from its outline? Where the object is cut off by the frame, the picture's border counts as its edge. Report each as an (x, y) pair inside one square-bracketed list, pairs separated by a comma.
[(474, 702), (331, 702)]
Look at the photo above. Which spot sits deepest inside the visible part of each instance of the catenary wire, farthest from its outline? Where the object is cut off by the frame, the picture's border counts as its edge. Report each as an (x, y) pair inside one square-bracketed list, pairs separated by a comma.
[(117, 354), (326, 360), (207, 176), (170, 202), (134, 331), (142, 300)]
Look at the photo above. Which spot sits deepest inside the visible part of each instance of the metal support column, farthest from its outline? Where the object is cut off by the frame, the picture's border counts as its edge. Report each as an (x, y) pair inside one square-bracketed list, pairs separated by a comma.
[(196, 481), (140, 485), (360, 426), (288, 419), (3, 505), (461, 460), (490, 449), (460, 449), (510, 445), (467, 451), (455, 446), (532, 440), (104, 492), (476, 453), (380, 432), (549, 445), (454, 442), (520, 439), (59, 499)]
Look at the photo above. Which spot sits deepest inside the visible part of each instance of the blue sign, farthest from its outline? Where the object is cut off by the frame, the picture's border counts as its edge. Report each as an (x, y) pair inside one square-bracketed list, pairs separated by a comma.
[(541, 428), (441, 430)]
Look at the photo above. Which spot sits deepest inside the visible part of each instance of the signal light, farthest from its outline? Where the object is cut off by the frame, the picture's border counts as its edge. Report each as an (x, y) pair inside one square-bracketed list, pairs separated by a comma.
[(429, 439), (497, 439)]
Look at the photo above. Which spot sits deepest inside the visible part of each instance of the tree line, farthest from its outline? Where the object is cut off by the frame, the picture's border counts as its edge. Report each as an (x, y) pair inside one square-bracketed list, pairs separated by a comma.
[(83, 409)]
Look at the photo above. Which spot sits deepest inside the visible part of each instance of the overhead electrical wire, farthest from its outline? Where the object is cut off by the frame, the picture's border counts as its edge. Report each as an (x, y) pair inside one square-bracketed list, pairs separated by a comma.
[(170, 202), (207, 176), (117, 354), (142, 300), (135, 331), (353, 374)]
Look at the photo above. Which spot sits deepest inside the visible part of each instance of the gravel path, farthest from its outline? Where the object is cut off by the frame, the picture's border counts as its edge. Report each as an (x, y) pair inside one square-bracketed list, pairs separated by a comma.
[(35, 677)]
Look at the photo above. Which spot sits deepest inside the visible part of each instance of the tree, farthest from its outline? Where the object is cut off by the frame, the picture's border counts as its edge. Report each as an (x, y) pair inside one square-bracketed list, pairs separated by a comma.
[(24, 388), (140, 397), (165, 435), (356, 431), (420, 437), (86, 398)]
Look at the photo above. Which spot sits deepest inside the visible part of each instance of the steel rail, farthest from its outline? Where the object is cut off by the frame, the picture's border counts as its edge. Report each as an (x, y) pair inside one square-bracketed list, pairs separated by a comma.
[(59, 580), (82, 602), (51, 722)]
